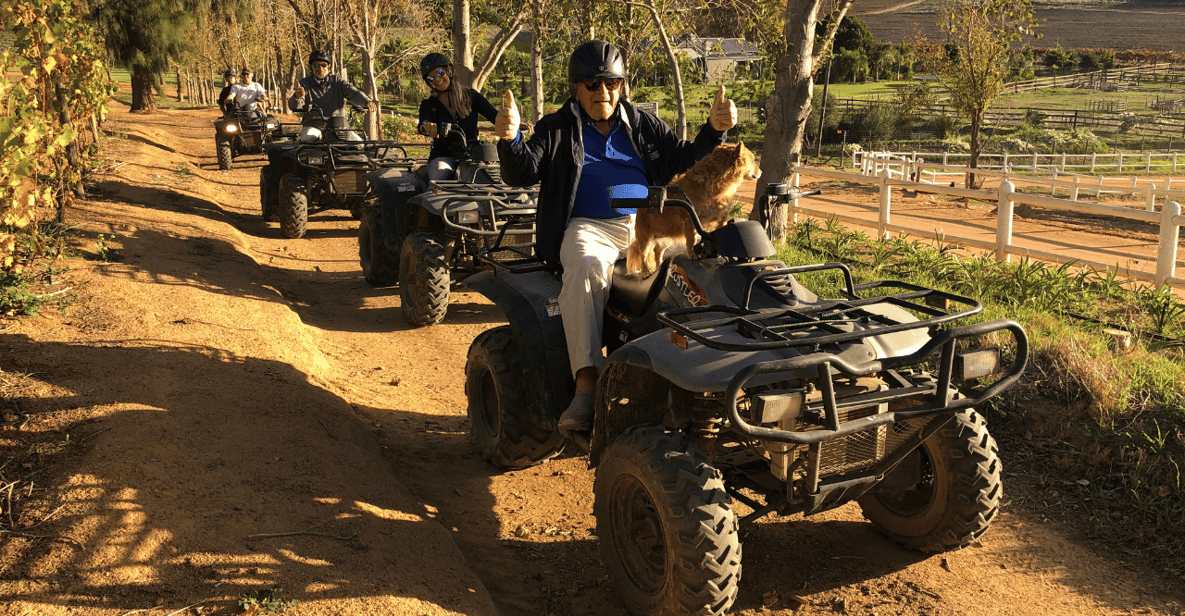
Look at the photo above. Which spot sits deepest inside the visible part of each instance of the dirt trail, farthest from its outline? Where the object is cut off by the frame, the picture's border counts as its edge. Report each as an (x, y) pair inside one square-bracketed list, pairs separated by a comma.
[(222, 383)]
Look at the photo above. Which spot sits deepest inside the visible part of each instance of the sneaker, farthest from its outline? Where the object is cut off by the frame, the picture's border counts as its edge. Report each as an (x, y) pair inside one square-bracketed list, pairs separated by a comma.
[(579, 416)]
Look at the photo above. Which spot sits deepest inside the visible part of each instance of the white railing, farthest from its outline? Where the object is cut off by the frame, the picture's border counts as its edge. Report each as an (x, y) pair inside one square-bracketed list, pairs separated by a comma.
[(916, 168), (1169, 218), (1148, 162)]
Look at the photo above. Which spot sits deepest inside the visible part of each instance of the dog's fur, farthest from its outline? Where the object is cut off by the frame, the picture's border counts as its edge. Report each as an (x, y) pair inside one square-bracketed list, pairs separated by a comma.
[(710, 186)]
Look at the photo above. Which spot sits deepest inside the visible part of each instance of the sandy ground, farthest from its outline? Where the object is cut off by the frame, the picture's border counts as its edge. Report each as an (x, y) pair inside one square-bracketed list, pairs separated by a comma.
[(226, 411)]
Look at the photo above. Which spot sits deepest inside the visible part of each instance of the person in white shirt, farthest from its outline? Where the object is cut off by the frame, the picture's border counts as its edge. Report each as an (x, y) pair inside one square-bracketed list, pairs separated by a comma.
[(247, 93)]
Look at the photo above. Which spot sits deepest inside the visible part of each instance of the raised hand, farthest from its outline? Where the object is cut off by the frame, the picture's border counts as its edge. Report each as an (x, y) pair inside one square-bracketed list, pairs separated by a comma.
[(506, 124), (299, 91), (723, 115)]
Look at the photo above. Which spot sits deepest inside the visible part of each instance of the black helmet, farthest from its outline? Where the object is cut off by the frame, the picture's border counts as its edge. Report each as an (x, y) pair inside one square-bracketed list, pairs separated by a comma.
[(228, 74), (432, 61), (320, 55), (594, 60)]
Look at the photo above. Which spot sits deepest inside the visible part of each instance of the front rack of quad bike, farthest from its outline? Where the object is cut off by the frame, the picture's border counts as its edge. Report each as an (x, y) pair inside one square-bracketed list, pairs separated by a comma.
[(378, 153), (346, 162), (503, 215), (820, 329)]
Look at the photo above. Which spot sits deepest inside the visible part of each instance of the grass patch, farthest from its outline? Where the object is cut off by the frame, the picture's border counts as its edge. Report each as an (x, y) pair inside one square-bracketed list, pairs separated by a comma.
[(1099, 418)]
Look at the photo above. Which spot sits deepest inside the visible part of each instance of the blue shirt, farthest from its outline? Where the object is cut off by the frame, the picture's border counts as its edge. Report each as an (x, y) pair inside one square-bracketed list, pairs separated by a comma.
[(611, 168)]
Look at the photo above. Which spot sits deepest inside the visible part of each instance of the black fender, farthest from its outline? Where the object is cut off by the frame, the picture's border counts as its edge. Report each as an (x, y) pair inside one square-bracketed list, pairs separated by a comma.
[(393, 188), (530, 303)]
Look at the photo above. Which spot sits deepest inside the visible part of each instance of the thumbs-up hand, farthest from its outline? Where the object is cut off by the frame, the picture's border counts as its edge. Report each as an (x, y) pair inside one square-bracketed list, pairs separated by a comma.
[(299, 91), (723, 115), (506, 124)]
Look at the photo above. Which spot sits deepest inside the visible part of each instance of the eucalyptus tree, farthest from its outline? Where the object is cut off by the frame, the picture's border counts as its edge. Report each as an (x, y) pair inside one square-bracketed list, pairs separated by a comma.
[(143, 35), (974, 60), (370, 23), (507, 20), (803, 43)]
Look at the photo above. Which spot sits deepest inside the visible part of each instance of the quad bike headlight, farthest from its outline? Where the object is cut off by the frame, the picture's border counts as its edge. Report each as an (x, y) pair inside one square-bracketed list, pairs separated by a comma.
[(232, 128), (271, 125), (316, 161), (976, 364), (775, 406), (467, 218)]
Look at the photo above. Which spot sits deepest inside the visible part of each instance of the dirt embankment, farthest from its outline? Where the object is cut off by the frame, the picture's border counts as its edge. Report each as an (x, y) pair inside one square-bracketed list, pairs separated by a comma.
[(225, 411)]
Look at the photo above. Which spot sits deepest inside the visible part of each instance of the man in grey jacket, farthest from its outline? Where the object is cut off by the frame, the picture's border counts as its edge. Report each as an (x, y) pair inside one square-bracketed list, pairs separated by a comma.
[(328, 93)]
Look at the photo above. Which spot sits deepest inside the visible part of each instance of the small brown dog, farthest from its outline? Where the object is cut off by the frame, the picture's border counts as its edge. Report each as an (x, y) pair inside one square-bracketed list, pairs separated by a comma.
[(710, 186)]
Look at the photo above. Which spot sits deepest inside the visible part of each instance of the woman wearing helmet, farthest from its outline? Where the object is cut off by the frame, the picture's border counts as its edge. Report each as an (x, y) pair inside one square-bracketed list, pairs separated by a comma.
[(450, 102)]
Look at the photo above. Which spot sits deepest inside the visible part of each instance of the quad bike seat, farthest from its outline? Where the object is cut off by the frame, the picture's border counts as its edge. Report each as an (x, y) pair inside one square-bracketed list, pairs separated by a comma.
[(421, 173), (632, 293)]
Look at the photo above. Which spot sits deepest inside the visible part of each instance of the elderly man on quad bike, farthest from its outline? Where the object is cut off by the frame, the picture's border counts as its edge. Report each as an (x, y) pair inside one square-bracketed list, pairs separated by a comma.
[(597, 147), (327, 93)]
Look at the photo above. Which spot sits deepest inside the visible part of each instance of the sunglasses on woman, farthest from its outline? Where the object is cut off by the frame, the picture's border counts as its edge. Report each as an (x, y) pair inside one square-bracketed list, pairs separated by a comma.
[(611, 85), (436, 74)]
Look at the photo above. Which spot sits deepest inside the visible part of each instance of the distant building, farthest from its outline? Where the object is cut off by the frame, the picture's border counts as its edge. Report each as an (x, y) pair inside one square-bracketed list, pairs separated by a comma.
[(721, 59)]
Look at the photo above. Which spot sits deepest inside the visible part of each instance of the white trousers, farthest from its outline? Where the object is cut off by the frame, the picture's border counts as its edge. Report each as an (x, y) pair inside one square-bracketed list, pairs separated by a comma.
[(590, 248)]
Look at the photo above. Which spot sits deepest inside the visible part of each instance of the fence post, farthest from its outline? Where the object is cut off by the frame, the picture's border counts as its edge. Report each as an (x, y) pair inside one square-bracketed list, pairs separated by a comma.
[(1148, 162), (1004, 165), (1150, 196), (1092, 159), (1166, 255), (883, 215), (944, 154), (1034, 162), (1174, 162), (1098, 191), (1004, 222), (1074, 189), (794, 202), (1119, 164), (1063, 161)]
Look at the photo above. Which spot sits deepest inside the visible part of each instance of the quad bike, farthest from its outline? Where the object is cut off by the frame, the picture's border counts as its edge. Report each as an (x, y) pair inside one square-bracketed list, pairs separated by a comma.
[(425, 235), (242, 131), (727, 379), (325, 171)]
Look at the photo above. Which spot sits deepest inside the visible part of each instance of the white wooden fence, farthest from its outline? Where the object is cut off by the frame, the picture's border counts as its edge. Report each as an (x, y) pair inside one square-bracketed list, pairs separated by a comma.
[(1169, 217), (1148, 162), (916, 168)]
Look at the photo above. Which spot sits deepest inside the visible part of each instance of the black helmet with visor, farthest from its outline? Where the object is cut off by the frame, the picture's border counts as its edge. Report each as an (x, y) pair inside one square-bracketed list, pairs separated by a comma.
[(320, 55), (595, 60), (432, 62)]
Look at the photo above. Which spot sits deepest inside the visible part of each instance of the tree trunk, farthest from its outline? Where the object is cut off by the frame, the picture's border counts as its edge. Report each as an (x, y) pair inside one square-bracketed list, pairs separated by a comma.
[(536, 69), (370, 87), (177, 74), (681, 120), (789, 105), (142, 99), (787, 110), (72, 156), (462, 52), (498, 45), (976, 147)]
